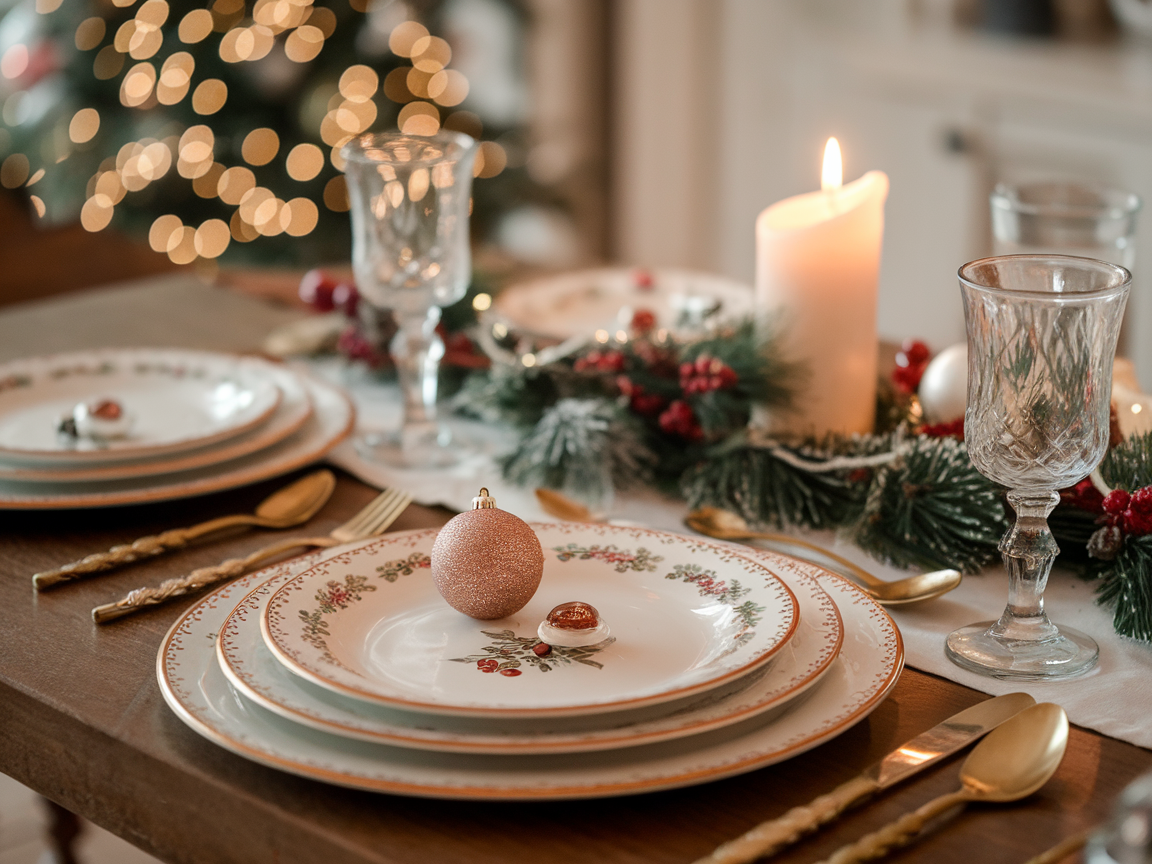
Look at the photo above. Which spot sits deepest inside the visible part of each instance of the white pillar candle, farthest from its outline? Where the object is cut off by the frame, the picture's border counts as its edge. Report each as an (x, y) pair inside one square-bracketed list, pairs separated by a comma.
[(817, 268)]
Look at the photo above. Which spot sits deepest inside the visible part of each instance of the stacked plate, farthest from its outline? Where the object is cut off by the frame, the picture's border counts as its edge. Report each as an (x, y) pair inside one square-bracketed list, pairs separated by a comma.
[(125, 426), (347, 666)]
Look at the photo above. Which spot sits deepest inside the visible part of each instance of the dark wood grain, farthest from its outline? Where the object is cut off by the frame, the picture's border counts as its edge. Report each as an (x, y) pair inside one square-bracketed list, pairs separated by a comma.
[(82, 721)]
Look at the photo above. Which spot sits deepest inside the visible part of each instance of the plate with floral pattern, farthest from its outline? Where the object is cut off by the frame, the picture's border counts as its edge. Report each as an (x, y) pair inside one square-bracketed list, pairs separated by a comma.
[(196, 689), (808, 656), (169, 400), (685, 616)]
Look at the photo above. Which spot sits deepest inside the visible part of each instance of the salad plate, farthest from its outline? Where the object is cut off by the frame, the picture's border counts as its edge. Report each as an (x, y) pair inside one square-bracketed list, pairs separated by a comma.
[(293, 411), (253, 670), (198, 692), (331, 421), (685, 616), (166, 401)]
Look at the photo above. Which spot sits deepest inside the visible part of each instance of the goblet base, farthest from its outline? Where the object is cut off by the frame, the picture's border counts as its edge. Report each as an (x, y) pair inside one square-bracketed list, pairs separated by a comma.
[(1067, 654), (427, 452)]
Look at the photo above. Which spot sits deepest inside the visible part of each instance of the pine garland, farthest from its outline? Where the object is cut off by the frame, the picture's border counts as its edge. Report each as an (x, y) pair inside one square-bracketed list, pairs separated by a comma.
[(921, 503)]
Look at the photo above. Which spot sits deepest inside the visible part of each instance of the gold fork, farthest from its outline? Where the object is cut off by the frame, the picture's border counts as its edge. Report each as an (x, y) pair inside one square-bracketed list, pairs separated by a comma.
[(372, 520)]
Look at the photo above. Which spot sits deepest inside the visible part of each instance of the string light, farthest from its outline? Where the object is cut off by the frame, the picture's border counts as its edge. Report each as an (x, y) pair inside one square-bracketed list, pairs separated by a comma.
[(423, 89)]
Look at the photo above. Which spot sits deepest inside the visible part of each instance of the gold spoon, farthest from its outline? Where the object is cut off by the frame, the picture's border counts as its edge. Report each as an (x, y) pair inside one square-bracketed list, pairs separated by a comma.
[(296, 503), (1013, 761), (726, 525)]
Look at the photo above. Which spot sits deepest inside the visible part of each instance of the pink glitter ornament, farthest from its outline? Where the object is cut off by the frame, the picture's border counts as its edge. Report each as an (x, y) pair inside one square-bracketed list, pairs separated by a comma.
[(486, 562)]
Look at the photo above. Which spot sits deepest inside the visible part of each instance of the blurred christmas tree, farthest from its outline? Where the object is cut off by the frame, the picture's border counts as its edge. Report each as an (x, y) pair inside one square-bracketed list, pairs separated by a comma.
[(216, 130)]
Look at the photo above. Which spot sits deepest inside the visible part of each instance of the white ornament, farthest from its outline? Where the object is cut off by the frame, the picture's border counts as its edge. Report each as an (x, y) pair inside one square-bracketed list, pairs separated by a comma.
[(944, 386)]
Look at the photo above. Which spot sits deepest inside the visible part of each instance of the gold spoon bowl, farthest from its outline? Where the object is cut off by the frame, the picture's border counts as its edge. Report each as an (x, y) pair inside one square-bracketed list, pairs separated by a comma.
[(726, 525)]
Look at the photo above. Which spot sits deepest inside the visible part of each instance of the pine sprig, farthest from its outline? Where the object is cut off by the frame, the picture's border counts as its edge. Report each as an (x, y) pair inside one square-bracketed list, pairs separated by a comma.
[(932, 508), (585, 446), (1125, 584)]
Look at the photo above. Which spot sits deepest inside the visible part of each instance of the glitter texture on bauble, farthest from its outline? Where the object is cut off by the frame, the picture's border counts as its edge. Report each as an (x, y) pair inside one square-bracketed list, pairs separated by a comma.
[(486, 562)]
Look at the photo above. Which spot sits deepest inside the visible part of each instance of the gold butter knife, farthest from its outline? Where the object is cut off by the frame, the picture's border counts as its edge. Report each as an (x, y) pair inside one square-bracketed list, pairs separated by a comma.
[(925, 749)]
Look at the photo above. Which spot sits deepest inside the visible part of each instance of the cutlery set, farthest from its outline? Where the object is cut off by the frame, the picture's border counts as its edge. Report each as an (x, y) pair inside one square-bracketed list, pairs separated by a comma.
[(285, 508)]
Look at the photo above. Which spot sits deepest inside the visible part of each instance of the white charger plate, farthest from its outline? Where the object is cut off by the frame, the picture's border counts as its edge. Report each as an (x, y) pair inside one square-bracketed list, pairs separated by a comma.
[(178, 400), (293, 411), (255, 672), (196, 689), (578, 303), (686, 616), (330, 423)]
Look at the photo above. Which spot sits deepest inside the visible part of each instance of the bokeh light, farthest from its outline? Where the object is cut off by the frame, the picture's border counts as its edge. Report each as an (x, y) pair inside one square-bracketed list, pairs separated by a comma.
[(405, 36), (209, 96), (14, 171), (84, 125), (195, 27), (90, 33), (304, 43), (304, 162), (336, 195), (260, 146)]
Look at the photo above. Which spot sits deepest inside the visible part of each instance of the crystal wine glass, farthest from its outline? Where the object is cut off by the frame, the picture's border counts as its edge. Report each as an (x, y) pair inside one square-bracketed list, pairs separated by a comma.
[(410, 197), (1042, 334)]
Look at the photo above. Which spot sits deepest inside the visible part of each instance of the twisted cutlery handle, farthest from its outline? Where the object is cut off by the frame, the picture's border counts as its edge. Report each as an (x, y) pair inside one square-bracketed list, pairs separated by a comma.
[(770, 837), (197, 579), (896, 834), (145, 547)]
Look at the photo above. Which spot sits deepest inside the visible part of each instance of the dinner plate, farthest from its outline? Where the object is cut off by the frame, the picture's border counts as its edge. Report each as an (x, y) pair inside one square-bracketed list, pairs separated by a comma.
[(330, 423), (175, 400), (803, 662), (579, 303), (293, 411), (196, 689), (685, 615)]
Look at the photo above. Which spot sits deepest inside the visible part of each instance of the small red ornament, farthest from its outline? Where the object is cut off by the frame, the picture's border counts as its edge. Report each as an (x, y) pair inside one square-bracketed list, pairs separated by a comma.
[(486, 562)]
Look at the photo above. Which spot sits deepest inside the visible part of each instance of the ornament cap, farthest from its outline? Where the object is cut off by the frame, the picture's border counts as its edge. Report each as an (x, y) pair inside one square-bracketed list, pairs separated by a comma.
[(483, 501)]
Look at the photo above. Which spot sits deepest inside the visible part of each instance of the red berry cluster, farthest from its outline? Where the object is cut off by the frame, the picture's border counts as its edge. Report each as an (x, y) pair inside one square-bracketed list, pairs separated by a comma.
[(911, 361), (639, 400), (951, 429), (325, 293), (643, 280), (1132, 513), (707, 373), (490, 666), (600, 361), (643, 320), (680, 419)]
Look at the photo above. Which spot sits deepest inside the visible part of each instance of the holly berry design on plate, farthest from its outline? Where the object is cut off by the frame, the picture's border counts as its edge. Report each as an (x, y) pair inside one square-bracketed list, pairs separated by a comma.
[(509, 653)]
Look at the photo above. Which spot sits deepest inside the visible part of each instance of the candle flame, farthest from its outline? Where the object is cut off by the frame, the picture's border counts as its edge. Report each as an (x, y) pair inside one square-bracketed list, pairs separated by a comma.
[(832, 175)]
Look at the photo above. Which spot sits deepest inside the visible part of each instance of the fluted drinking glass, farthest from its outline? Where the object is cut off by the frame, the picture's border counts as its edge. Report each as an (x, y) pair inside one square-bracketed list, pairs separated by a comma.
[(410, 197), (1042, 333)]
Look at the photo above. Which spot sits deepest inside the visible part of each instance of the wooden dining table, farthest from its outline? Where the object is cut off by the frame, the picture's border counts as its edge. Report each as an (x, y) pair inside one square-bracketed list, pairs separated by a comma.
[(83, 722)]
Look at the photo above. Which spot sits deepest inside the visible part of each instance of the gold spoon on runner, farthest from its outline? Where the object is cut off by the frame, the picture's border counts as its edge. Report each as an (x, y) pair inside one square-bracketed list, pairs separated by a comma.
[(295, 504), (1013, 761), (726, 525)]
